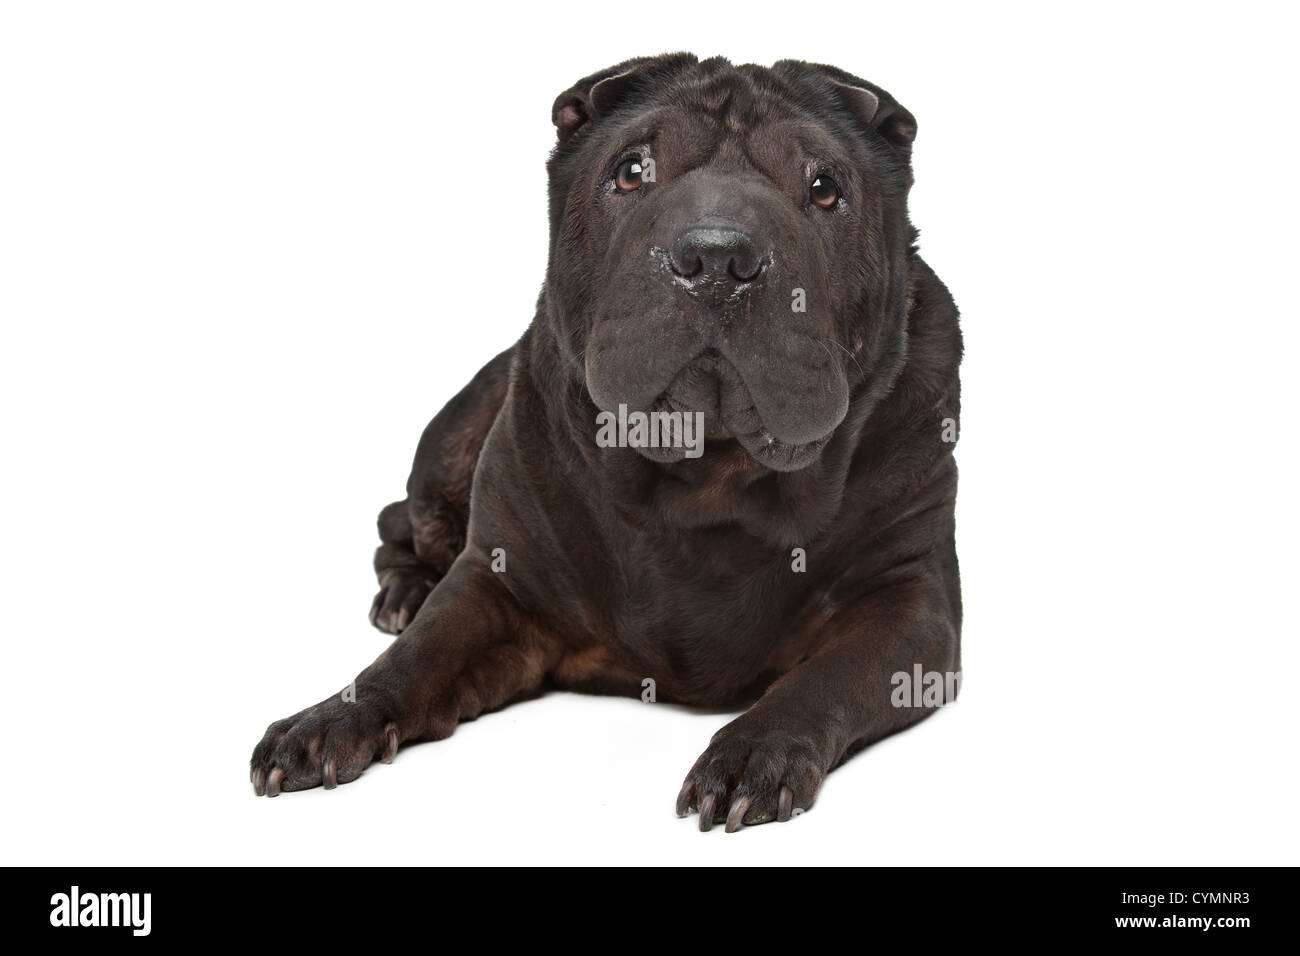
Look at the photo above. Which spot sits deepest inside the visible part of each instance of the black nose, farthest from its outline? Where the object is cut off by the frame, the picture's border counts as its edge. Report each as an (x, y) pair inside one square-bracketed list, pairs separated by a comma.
[(717, 253)]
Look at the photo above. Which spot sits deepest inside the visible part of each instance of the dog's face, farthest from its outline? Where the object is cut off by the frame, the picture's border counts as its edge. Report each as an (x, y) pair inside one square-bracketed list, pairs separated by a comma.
[(731, 241)]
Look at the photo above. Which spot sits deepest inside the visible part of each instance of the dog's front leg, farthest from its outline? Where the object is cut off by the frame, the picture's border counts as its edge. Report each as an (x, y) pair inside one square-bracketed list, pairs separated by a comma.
[(769, 763), (470, 649)]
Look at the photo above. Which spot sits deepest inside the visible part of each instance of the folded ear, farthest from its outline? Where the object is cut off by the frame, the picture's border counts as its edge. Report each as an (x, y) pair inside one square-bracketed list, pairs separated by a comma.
[(878, 109), (868, 102), (599, 94)]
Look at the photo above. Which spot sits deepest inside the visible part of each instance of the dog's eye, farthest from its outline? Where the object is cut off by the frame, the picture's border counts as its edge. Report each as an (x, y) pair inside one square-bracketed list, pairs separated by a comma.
[(628, 175), (825, 192)]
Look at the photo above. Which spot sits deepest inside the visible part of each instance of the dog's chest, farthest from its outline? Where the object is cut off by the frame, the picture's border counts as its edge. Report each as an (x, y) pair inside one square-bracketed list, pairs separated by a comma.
[(709, 619)]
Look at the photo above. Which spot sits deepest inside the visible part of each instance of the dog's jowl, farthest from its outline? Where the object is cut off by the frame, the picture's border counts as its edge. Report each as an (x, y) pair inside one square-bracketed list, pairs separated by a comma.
[(734, 294)]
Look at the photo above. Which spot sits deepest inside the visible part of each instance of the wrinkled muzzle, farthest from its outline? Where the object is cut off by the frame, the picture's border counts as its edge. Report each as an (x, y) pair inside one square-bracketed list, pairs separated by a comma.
[(715, 303)]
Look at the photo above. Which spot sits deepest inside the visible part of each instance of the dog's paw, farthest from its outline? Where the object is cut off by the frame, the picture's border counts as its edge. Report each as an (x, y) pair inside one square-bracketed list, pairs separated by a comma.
[(325, 745), (401, 595), (752, 775)]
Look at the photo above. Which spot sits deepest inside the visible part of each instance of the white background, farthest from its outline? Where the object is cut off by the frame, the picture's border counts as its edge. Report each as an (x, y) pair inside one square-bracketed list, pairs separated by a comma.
[(247, 250)]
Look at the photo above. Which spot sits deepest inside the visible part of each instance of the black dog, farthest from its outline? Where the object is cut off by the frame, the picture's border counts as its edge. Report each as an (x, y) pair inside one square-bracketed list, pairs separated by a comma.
[(731, 263)]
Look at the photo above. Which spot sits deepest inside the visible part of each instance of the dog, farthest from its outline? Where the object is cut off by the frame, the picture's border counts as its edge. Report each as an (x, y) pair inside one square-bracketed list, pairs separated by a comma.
[(717, 469)]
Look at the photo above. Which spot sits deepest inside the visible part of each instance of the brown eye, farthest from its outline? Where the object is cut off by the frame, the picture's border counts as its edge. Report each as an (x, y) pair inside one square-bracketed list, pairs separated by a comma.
[(628, 175), (825, 192)]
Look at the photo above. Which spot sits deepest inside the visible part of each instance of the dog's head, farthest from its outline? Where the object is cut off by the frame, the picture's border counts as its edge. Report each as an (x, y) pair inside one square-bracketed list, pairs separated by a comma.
[(731, 240)]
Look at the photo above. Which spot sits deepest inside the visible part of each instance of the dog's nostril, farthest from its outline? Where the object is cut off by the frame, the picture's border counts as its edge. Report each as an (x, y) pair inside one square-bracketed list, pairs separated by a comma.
[(745, 270), (687, 268)]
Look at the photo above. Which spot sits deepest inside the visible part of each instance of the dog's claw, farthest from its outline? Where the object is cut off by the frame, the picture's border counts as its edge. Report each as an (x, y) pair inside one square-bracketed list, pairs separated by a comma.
[(784, 804), (400, 597), (707, 805), (329, 775), (734, 818), (684, 798), (259, 782), (273, 782)]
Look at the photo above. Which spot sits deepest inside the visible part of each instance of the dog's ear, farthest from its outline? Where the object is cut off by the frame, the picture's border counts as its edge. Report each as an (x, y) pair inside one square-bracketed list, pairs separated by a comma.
[(881, 111), (868, 102), (597, 95)]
